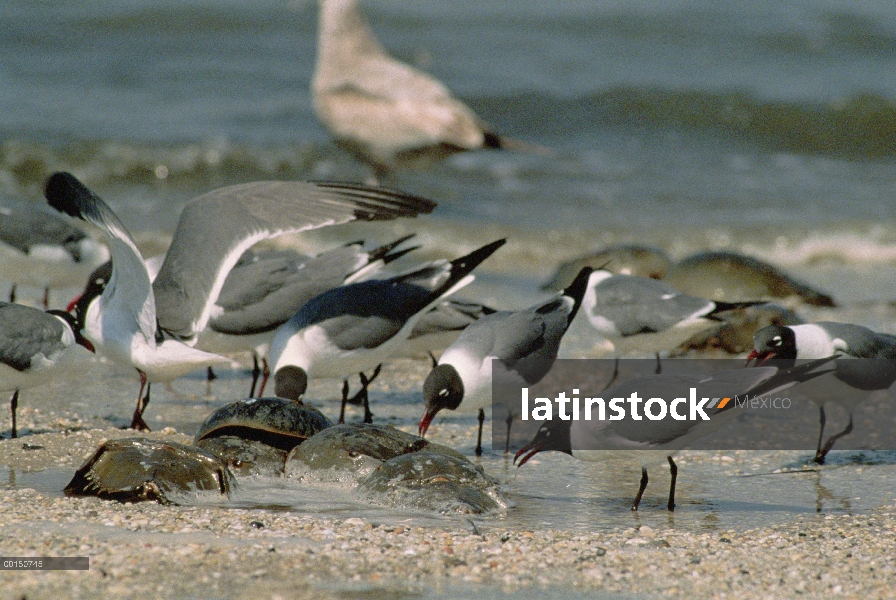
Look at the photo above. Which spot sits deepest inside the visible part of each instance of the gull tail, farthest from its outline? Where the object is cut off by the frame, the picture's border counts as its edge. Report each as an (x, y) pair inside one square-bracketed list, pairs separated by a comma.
[(722, 307), (576, 291), (500, 142)]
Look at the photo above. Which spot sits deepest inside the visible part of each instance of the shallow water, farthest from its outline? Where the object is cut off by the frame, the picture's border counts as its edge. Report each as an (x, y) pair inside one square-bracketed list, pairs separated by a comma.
[(717, 491)]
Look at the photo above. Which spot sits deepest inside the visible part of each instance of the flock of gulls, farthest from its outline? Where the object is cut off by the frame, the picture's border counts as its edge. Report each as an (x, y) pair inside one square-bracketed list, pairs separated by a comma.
[(345, 311)]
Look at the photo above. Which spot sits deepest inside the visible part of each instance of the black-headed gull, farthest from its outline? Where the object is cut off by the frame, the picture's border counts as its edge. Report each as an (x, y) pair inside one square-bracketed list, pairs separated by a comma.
[(462, 379), (828, 338)]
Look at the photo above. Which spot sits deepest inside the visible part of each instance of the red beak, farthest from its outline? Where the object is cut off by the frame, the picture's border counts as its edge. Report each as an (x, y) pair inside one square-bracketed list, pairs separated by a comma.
[(529, 450), (424, 423), (760, 357)]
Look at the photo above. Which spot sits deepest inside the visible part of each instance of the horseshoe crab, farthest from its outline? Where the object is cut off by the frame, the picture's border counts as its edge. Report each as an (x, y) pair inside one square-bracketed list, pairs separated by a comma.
[(253, 436), (433, 481), (351, 451), (138, 469)]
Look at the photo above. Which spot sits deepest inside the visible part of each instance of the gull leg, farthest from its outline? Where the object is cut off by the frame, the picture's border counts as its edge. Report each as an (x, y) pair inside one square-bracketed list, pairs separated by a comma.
[(615, 373), (256, 373), (479, 437), (265, 375), (509, 422), (830, 443), (46, 298), (368, 416), (137, 421), (12, 293), (209, 378), (640, 489), (819, 457), (13, 405), (673, 469), (344, 401)]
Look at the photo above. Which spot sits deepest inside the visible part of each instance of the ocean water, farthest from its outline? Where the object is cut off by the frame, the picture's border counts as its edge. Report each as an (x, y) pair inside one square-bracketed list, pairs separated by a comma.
[(762, 127)]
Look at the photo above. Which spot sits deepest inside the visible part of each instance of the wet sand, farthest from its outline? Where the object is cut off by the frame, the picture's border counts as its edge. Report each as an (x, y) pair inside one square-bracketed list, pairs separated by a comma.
[(155, 551)]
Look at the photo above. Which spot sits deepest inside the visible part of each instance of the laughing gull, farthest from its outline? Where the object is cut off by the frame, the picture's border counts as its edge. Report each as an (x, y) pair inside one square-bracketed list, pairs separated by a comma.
[(462, 379), (631, 310), (382, 110), (42, 249), (354, 328), (152, 325), (826, 338), (656, 441), (36, 346), (263, 292)]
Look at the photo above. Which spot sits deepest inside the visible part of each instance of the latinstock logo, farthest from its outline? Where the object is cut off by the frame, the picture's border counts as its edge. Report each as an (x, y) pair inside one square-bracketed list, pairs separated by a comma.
[(690, 408)]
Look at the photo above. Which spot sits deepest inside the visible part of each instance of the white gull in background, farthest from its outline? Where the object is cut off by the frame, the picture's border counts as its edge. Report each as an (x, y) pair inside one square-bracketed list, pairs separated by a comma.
[(385, 111), (354, 328), (462, 379), (152, 325)]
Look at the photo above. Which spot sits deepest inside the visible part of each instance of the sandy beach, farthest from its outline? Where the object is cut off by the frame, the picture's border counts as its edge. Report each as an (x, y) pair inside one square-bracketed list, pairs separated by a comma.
[(154, 551)]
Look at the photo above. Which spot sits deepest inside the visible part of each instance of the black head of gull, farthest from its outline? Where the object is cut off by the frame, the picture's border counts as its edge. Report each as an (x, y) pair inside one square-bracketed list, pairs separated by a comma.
[(290, 382), (773, 342)]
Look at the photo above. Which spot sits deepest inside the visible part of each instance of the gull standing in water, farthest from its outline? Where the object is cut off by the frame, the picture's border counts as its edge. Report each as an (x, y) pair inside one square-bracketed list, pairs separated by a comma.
[(382, 110), (874, 370), (152, 325)]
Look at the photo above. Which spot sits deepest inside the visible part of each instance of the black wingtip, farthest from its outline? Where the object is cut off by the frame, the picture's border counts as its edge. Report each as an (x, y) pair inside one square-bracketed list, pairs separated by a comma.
[(722, 307), (461, 267), (473, 259), (384, 251), (393, 256), (576, 291), (66, 194)]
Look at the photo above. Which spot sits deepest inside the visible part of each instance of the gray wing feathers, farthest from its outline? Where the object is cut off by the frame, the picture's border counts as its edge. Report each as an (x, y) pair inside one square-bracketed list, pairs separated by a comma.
[(243, 215), (26, 333), (640, 305)]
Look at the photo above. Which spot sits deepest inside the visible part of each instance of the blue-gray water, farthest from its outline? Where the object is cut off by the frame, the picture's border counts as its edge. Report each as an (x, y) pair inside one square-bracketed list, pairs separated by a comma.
[(766, 127)]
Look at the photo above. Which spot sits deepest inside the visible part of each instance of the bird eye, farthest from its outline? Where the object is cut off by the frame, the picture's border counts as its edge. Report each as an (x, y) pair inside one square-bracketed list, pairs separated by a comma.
[(777, 340), (443, 392)]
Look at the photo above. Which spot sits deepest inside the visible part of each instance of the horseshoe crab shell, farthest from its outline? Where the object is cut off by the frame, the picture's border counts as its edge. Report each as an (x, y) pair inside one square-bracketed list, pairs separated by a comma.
[(357, 448), (254, 436), (433, 481), (138, 469)]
